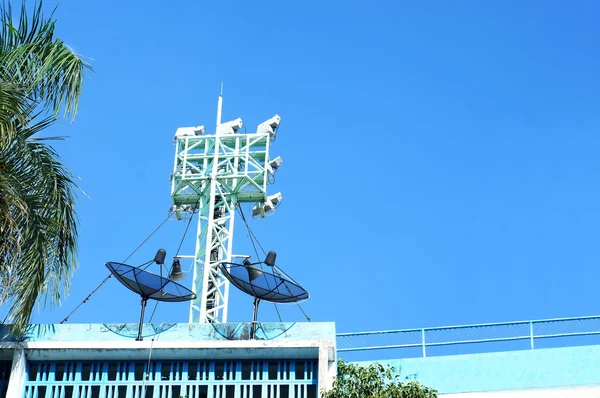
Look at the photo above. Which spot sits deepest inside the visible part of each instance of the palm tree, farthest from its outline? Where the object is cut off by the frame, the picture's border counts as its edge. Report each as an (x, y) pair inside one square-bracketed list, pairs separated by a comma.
[(40, 76)]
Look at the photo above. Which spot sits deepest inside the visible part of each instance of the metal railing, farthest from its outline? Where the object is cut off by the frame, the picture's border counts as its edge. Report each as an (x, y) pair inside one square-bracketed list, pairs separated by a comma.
[(531, 332)]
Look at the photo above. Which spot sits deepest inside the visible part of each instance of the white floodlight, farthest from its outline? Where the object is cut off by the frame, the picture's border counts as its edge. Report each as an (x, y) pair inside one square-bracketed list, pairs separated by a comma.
[(179, 209), (269, 126), (229, 127), (188, 132), (275, 199), (274, 164), (267, 208), (257, 211)]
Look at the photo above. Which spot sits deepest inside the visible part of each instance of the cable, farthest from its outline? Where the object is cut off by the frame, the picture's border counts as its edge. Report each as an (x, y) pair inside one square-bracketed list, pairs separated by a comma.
[(149, 236), (110, 275), (250, 232), (304, 313), (179, 248), (147, 376), (278, 315), (252, 238), (186, 229), (260, 326), (154, 310), (147, 264)]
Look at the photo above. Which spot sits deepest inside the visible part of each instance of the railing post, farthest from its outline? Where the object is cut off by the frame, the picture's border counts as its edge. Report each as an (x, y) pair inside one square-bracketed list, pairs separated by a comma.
[(423, 342), (531, 334)]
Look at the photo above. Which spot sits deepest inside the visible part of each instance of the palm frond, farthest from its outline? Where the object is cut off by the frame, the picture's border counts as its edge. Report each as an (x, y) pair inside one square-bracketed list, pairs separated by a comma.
[(39, 76), (42, 256), (30, 53), (13, 104)]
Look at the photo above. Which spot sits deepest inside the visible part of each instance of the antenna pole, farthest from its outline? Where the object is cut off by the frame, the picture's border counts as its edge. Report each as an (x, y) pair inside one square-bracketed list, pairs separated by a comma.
[(254, 318), (220, 106), (139, 336)]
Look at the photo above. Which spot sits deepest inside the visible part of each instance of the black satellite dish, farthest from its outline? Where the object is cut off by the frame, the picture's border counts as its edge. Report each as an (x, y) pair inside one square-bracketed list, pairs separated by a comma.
[(149, 285), (273, 285)]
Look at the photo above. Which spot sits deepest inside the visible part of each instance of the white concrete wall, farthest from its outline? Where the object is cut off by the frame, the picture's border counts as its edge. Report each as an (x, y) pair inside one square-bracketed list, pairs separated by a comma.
[(16, 383), (563, 392)]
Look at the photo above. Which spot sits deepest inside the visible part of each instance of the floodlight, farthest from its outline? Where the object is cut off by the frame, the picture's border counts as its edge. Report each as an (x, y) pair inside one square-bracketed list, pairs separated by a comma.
[(176, 272), (178, 209), (274, 164), (269, 126), (188, 132), (229, 127), (275, 199), (267, 208), (256, 211), (253, 273)]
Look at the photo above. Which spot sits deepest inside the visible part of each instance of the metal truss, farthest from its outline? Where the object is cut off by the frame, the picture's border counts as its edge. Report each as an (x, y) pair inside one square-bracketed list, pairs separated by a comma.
[(212, 174)]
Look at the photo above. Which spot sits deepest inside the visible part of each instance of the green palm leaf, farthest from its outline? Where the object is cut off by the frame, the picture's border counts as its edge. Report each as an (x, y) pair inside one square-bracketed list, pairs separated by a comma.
[(44, 64), (39, 76)]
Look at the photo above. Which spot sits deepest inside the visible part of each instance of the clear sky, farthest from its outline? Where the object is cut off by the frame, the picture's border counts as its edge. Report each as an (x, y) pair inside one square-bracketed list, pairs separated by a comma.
[(440, 158)]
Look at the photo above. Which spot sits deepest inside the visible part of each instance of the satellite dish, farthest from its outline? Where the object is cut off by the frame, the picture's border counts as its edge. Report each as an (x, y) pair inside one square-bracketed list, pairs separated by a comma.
[(149, 286), (272, 285)]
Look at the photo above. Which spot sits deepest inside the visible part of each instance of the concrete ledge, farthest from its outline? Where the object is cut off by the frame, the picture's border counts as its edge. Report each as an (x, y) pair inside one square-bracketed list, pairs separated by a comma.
[(268, 331), (561, 392), (501, 371), (176, 350)]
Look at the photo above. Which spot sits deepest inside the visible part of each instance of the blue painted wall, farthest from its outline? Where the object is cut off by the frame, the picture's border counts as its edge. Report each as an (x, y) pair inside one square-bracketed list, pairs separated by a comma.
[(543, 368)]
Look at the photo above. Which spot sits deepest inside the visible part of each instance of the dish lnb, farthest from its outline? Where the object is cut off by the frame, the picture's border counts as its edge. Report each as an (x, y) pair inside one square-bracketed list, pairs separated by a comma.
[(229, 127), (188, 132)]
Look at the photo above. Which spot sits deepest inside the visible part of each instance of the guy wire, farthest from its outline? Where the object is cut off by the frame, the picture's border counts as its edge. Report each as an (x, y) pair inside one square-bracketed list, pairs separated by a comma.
[(110, 275)]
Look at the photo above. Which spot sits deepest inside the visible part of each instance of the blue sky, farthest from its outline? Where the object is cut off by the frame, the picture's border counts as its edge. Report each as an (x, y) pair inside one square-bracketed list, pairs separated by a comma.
[(440, 158)]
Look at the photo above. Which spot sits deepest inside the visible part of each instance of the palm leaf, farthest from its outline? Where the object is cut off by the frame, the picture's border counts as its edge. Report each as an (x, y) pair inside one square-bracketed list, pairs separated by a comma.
[(30, 53), (43, 257), (39, 76), (13, 102)]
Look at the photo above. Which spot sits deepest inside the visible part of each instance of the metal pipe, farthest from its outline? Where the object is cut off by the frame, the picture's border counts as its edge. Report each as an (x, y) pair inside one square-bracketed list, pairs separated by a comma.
[(254, 318), (139, 336), (220, 106), (531, 334)]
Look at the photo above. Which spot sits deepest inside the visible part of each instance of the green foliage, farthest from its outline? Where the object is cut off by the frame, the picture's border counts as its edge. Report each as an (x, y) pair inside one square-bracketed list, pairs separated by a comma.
[(39, 77), (374, 381)]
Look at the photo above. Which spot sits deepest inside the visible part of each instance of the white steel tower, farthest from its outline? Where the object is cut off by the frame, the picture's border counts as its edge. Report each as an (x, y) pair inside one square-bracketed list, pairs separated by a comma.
[(212, 175)]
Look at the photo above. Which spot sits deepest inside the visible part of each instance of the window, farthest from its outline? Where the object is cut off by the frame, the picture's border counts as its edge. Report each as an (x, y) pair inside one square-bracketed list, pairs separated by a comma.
[(172, 379)]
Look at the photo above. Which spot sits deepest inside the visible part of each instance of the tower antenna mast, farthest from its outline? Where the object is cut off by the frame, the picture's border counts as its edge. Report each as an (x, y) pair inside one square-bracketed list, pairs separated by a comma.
[(212, 174)]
